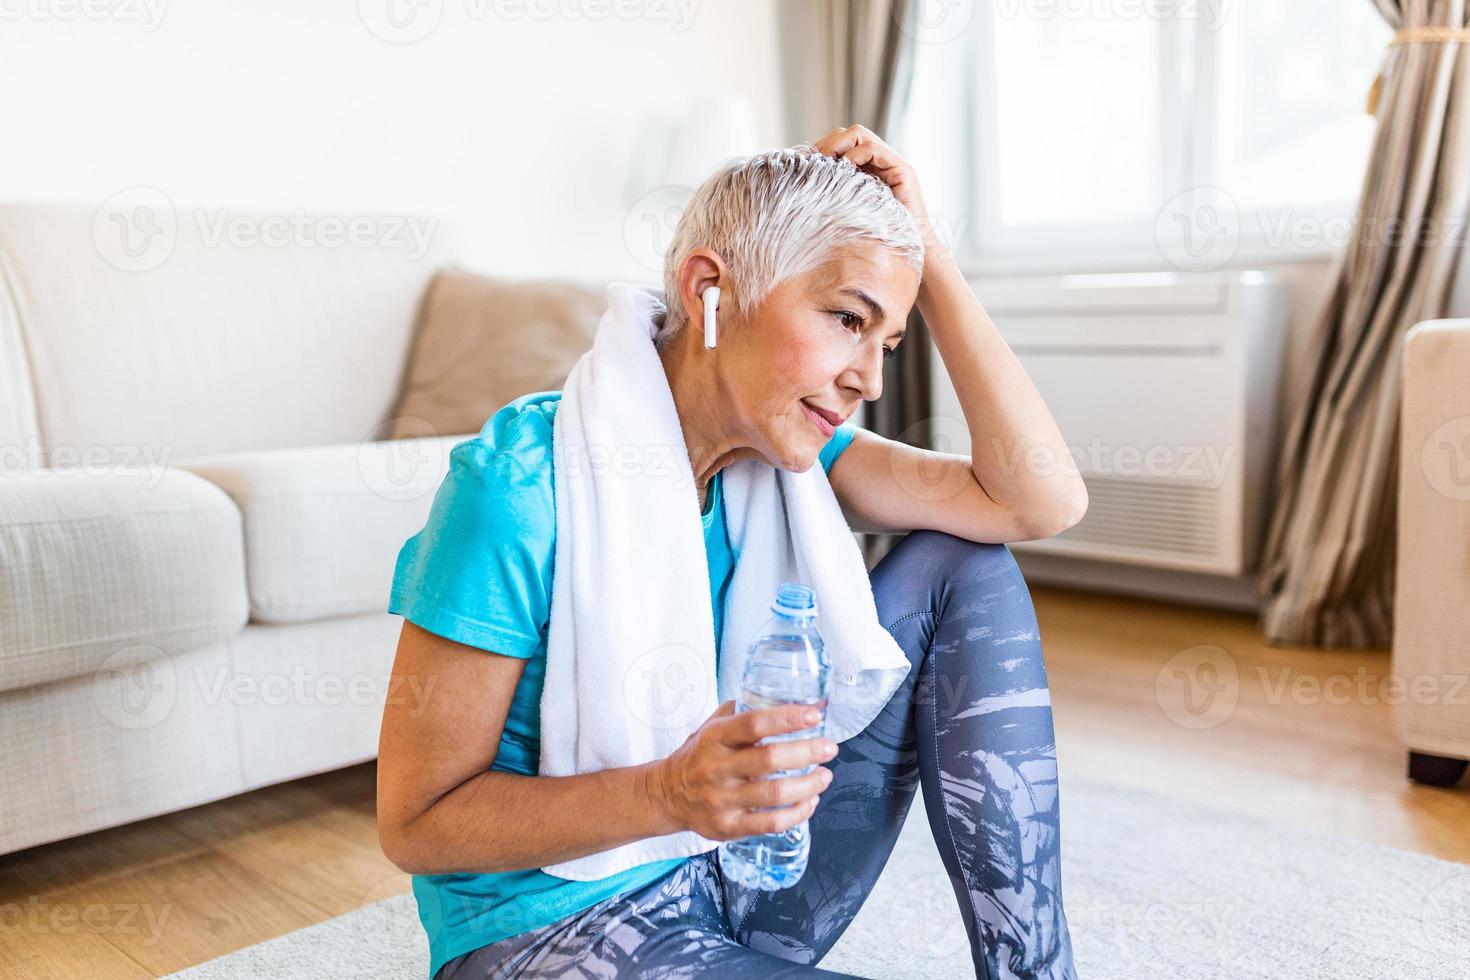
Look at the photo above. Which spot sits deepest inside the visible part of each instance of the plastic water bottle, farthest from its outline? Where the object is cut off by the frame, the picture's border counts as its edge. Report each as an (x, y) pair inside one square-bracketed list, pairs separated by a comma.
[(786, 664)]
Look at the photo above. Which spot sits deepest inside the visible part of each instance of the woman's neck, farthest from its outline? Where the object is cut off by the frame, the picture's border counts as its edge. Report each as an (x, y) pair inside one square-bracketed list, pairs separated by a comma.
[(704, 409)]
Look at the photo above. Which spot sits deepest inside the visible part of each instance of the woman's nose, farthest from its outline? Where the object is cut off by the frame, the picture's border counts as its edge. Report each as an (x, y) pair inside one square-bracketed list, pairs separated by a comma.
[(866, 373)]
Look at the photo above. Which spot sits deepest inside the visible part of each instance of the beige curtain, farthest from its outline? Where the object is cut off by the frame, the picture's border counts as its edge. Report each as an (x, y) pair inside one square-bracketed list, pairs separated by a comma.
[(1327, 570), (852, 60)]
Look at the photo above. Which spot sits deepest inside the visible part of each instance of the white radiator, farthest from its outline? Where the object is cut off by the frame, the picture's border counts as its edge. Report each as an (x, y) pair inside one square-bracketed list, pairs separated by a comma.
[(1165, 388)]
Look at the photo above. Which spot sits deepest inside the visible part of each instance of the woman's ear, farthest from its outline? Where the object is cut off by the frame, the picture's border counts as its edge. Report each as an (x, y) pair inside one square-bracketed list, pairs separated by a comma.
[(700, 269)]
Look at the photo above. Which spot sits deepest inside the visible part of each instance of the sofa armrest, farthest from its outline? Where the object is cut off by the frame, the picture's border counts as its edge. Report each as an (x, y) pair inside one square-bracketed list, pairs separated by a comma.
[(1431, 616), (114, 568)]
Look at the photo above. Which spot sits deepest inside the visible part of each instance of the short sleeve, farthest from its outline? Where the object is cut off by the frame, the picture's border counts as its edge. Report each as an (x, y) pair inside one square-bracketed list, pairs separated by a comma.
[(480, 572), (841, 439)]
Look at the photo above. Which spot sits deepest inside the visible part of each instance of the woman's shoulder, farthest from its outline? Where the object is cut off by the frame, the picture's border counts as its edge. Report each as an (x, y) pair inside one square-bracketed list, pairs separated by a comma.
[(516, 439), (522, 423), (480, 572), (501, 478)]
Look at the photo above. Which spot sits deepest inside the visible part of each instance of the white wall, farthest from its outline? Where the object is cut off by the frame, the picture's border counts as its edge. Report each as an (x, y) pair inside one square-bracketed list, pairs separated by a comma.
[(518, 120)]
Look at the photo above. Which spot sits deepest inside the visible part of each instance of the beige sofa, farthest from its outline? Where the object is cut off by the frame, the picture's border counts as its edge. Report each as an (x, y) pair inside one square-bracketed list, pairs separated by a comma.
[(1431, 644), (197, 518)]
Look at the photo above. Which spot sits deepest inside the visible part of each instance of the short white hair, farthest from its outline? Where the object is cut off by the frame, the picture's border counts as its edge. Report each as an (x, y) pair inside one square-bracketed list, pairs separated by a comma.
[(781, 213)]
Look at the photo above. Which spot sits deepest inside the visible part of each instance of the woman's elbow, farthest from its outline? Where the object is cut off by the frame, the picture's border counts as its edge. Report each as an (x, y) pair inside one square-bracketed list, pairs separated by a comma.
[(396, 844), (401, 831), (1075, 507), (1056, 517)]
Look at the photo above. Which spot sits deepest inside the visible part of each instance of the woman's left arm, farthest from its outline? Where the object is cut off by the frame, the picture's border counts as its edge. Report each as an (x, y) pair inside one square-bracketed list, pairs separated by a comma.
[(1017, 453), (1020, 481)]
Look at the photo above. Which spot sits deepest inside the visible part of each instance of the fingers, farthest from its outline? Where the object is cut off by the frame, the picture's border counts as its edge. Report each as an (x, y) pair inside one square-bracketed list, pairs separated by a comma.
[(729, 784), (772, 821), (761, 793), (820, 144), (749, 727), (753, 762), (860, 145), (847, 135)]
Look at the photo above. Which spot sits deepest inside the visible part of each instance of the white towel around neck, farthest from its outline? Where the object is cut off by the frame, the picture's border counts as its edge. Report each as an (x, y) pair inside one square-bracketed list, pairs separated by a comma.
[(630, 659)]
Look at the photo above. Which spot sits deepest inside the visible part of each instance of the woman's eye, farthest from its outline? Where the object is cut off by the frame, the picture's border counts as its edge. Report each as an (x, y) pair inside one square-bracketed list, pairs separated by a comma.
[(889, 352), (849, 319)]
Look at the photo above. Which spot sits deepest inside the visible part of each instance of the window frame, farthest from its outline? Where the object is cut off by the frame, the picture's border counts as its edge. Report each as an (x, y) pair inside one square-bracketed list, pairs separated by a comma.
[(1189, 53)]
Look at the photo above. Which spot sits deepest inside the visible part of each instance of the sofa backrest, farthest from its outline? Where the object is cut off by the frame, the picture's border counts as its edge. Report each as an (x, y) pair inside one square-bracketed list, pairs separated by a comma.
[(139, 327)]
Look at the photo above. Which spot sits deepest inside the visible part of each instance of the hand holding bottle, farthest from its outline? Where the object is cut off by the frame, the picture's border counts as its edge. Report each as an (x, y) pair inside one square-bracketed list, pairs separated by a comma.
[(719, 782)]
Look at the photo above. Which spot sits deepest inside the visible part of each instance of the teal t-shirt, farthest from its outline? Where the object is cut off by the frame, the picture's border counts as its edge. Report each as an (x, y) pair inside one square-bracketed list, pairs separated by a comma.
[(480, 573)]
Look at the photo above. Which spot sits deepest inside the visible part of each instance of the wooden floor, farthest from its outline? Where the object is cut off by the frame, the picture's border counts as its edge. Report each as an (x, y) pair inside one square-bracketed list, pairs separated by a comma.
[(1304, 737)]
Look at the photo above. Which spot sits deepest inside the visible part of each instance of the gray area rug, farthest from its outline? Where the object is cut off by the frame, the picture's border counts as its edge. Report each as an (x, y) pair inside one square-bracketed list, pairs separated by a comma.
[(1153, 887)]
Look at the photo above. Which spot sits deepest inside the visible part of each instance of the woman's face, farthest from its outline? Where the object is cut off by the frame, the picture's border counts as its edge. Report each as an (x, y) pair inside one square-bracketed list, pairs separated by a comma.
[(817, 342)]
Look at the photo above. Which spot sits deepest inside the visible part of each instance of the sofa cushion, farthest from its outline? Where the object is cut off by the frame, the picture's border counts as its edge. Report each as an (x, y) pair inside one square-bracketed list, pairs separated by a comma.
[(483, 341), (323, 526), (113, 568)]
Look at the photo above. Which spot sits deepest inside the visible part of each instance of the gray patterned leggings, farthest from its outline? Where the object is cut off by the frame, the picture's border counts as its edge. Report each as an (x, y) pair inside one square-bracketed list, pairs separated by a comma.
[(972, 722)]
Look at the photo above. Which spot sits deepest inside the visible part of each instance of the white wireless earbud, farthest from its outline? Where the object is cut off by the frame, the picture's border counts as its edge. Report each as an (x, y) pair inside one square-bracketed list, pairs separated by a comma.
[(711, 299)]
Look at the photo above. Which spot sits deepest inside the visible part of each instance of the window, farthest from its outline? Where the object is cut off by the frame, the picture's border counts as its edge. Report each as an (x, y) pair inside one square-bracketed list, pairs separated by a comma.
[(1117, 132), (1293, 80)]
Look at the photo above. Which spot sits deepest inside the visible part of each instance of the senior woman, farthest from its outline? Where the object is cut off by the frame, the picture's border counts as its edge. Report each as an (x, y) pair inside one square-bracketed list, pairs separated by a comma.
[(819, 252)]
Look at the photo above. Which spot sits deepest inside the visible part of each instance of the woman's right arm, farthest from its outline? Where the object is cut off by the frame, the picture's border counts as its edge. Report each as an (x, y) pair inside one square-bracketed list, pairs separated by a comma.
[(441, 809)]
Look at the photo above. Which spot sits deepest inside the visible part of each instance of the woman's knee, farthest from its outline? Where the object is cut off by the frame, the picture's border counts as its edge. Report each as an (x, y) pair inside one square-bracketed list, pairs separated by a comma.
[(951, 569), (963, 606)]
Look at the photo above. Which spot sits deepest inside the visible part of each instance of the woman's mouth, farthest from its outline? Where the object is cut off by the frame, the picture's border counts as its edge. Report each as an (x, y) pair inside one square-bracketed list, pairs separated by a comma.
[(826, 427)]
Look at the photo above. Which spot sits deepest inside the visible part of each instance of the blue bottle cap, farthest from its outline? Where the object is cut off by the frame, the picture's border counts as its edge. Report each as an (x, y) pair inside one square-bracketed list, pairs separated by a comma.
[(795, 599)]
